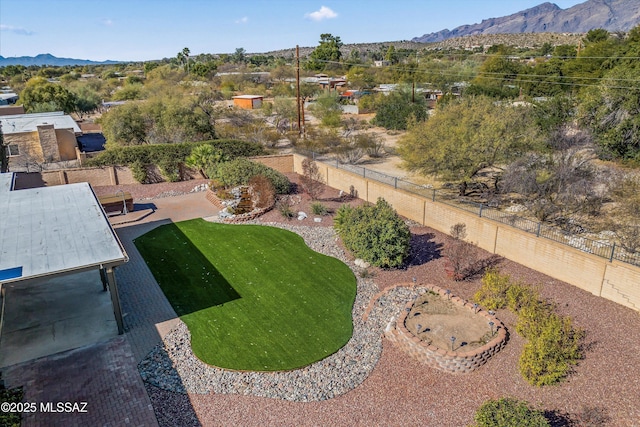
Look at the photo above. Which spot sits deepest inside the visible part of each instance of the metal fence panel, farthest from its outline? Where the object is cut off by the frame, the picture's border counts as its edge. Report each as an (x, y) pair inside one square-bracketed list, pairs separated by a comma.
[(585, 244)]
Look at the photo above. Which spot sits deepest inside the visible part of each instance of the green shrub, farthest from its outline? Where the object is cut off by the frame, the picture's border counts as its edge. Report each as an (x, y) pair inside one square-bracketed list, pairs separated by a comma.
[(549, 355), (375, 233), (240, 171), (10, 419), (519, 295), (139, 171), (285, 207), (170, 170), (319, 209), (493, 292), (509, 412), (154, 154), (553, 344), (530, 318)]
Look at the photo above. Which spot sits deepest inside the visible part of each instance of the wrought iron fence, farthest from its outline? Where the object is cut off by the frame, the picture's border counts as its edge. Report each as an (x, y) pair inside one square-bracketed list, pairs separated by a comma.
[(600, 248)]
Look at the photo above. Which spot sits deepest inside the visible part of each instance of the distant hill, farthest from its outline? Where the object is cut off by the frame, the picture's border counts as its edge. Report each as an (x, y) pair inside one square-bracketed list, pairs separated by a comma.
[(48, 59), (611, 15)]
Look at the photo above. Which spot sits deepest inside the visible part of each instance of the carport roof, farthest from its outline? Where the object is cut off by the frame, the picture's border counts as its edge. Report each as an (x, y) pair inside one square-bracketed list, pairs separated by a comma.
[(54, 230)]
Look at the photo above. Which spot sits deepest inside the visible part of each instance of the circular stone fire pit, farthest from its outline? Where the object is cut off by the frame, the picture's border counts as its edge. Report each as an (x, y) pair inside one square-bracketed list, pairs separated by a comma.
[(446, 332)]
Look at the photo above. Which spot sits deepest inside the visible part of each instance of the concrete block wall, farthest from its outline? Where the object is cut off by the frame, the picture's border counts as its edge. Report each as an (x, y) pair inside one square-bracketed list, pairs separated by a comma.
[(443, 359), (282, 163), (616, 281), (559, 261), (98, 176)]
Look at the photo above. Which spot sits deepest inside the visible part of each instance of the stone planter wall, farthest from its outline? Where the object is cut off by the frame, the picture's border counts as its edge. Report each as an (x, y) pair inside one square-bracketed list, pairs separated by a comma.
[(443, 359), (213, 199)]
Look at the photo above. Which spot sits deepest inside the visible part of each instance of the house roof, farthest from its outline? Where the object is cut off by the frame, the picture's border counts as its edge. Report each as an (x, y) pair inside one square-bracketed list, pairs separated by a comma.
[(23, 123), (8, 96), (54, 230), (248, 97)]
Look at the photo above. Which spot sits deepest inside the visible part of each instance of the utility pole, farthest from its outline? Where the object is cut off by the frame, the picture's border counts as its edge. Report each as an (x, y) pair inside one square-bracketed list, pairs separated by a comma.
[(300, 107)]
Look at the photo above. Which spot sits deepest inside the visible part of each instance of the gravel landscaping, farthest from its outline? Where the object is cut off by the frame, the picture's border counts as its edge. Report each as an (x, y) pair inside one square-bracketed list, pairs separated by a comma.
[(397, 390)]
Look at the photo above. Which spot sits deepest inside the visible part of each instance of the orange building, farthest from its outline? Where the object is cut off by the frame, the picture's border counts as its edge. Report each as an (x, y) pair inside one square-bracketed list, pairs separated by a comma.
[(248, 102)]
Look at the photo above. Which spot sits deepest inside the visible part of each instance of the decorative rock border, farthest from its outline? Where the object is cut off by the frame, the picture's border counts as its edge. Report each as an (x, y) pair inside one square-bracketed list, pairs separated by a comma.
[(444, 360), (215, 200)]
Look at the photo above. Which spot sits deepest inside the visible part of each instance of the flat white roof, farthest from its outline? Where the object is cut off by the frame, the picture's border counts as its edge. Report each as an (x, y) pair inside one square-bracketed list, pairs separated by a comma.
[(247, 96), (54, 230), (6, 183), (21, 123)]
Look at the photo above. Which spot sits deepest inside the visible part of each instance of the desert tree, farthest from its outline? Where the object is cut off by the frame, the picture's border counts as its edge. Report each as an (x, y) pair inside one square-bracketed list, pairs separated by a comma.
[(557, 186), (466, 136), (312, 180)]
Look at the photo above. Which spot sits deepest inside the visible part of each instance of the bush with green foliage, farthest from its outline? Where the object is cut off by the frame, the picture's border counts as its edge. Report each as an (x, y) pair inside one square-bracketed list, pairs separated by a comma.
[(318, 208), (375, 233), (139, 171), (554, 344), (11, 396), (240, 171), (493, 292), (169, 157), (551, 350), (394, 111), (509, 412), (154, 154), (285, 207)]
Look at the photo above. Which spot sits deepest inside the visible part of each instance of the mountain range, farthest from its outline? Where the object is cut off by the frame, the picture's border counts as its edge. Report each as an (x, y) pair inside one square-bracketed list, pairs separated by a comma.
[(611, 15), (48, 59)]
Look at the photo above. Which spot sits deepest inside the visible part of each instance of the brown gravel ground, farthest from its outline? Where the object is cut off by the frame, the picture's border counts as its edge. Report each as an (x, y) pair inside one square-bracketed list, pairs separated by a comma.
[(401, 392)]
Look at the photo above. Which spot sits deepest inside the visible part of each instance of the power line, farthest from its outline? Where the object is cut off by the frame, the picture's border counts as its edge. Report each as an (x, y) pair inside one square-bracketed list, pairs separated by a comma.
[(525, 78)]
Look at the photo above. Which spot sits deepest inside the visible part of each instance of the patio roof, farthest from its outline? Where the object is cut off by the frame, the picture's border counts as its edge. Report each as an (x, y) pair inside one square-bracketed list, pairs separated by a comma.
[(54, 230)]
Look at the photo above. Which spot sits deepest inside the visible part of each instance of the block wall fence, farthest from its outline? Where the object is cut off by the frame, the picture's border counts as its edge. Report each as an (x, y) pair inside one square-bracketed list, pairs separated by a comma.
[(98, 176), (613, 280)]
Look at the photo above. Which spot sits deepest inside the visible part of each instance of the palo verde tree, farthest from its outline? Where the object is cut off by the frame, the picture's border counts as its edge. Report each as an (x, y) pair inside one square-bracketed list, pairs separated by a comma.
[(466, 136)]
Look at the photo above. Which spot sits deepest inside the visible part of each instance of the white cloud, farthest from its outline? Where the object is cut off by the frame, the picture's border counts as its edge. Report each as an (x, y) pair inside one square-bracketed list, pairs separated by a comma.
[(323, 13), (108, 22), (17, 30), (242, 20)]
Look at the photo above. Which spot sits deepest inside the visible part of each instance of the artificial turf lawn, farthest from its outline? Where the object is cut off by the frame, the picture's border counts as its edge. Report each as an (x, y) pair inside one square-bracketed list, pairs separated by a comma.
[(253, 297)]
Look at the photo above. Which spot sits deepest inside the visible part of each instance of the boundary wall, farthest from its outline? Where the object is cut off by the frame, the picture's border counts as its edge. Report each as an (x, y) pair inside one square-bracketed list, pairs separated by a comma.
[(613, 280), (98, 176)]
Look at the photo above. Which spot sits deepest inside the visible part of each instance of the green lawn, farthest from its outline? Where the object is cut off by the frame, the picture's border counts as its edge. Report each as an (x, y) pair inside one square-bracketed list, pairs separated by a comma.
[(254, 297)]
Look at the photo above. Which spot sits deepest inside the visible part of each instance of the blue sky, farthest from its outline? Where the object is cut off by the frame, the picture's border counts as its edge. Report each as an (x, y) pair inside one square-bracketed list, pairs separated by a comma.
[(137, 30)]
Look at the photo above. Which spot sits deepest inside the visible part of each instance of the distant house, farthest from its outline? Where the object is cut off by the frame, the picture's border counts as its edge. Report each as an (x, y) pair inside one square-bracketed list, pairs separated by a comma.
[(8, 98), (432, 97), (381, 63), (353, 95), (39, 138), (248, 102), (325, 82)]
